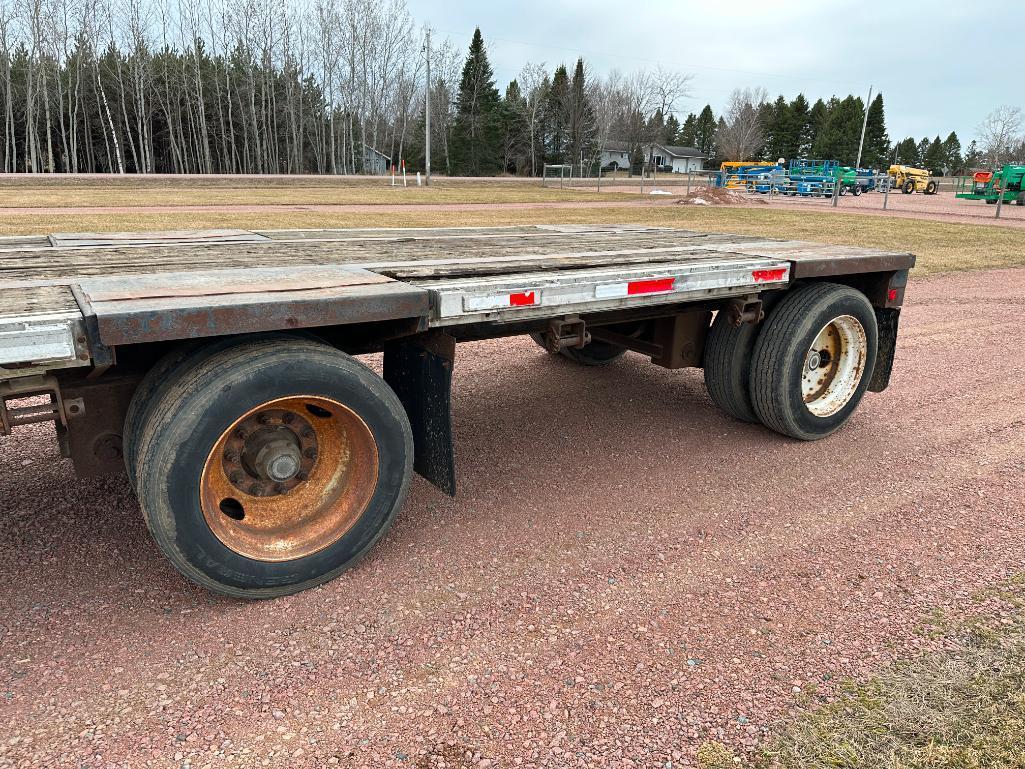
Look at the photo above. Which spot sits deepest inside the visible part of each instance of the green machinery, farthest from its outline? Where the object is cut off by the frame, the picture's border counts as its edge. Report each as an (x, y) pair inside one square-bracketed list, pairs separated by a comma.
[(1003, 184)]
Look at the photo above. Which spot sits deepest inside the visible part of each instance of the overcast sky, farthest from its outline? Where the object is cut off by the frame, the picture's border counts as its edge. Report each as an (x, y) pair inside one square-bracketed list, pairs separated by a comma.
[(941, 65)]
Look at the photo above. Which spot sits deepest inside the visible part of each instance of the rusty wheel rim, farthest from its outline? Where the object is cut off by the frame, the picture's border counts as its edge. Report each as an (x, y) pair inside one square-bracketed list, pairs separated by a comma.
[(289, 478), (834, 366)]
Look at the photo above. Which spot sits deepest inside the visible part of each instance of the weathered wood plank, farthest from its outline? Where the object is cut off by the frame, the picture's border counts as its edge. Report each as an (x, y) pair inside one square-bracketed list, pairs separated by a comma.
[(36, 300), (34, 279)]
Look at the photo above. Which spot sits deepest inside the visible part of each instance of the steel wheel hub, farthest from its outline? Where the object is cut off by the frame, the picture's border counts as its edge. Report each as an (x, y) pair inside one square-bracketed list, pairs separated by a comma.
[(270, 452), (834, 366), (289, 478)]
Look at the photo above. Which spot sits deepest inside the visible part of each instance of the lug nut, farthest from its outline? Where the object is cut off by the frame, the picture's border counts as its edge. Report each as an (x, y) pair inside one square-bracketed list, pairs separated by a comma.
[(231, 456), (256, 490), (236, 477), (307, 432), (302, 475), (241, 433), (265, 419), (288, 417), (310, 453), (280, 488)]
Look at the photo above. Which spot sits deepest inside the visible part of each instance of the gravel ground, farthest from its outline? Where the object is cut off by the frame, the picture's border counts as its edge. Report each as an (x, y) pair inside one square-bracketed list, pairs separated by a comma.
[(625, 574)]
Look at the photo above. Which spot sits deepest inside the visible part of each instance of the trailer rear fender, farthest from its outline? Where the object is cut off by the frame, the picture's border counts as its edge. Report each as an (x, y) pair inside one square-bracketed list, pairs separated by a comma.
[(887, 319), (419, 370)]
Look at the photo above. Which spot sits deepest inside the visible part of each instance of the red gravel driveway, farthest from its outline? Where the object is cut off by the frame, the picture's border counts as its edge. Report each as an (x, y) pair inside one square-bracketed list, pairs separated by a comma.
[(625, 574)]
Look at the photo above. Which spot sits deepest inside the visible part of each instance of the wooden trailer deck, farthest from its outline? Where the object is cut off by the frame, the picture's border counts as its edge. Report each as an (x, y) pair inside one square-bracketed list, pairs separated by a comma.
[(152, 286)]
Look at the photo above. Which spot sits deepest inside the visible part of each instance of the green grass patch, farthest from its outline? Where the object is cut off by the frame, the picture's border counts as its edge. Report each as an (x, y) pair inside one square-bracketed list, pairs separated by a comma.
[(960, 708)]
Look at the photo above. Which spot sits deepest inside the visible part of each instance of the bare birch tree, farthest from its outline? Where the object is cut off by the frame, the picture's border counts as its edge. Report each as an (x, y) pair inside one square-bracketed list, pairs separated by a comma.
[(743, 132)]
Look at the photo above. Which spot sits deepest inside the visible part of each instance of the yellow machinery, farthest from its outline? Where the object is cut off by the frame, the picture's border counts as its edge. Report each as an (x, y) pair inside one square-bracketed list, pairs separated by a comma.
[(908, 179), (736, 174)]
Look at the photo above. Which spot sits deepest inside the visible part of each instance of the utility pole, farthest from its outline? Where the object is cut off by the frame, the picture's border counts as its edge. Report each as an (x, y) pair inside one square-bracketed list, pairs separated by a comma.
[(427, 112), (864, 125)]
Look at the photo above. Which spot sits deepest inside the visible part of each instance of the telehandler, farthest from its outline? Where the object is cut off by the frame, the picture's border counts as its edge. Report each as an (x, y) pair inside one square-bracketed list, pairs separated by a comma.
[(909, 179)]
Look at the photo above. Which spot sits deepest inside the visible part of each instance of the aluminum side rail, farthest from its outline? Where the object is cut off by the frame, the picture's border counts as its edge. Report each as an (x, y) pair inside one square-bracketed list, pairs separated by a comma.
[(545, 294)]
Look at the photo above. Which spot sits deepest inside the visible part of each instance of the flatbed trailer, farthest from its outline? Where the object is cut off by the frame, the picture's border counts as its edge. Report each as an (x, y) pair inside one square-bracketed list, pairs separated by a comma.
[(216, 367)]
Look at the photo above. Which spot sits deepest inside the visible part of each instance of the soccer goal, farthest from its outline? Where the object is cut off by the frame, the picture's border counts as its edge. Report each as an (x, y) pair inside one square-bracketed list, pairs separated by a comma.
[(552, 172)]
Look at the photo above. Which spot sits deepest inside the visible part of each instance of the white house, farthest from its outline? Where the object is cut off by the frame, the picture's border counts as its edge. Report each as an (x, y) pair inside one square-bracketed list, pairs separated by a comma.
[(616, 155), (673, 158)]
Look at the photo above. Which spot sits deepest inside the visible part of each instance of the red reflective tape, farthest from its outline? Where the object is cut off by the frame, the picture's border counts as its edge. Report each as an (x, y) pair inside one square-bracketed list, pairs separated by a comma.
[(523, 299), (761, 276), (893, 295), (653, 286)]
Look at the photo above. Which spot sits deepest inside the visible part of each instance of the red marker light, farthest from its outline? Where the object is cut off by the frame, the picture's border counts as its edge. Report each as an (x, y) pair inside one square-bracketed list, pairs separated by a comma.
[(892, 295)]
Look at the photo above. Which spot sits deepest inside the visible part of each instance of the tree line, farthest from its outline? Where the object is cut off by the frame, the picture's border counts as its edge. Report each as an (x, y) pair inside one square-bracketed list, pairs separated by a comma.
[(757, 128), (333, 86)]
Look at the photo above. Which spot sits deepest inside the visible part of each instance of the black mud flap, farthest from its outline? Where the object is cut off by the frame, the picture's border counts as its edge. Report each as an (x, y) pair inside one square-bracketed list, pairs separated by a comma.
[(419, 370), (887, 318)]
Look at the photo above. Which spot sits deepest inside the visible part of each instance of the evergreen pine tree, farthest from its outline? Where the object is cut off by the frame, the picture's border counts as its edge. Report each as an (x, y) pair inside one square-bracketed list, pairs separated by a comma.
[(764, 118), (672, 133), (972, 156), (515, 131), (952, 153), (579, 117), (704, 132), (717, 157), (935, 159), (839, 136), (688, 131), (816, 120), (906, 153), (800, 118), (877, 142), (476, 136), (656, 127), (923, 147), (558, 133), (779, 130)]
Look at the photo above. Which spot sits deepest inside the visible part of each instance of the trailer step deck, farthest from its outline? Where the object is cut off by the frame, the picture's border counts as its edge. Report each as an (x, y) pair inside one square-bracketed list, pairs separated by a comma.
[(151, 286)]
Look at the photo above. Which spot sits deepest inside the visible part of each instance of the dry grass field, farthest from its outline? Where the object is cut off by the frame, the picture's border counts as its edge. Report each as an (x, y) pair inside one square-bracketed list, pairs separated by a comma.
[(153, 204)]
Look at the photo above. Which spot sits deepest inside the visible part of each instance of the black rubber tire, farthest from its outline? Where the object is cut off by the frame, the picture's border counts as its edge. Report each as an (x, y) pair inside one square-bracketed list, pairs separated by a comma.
[(908, 187), (203, 400), (594, 353), (1020, 200), (842, 191), (156, 378), (856, 190), (779, 355), (727, 364), (992, 202), (931, 188)]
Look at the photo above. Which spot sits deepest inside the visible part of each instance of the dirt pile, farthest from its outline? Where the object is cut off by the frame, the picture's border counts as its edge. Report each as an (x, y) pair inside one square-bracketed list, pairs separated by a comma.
[(718, 196)]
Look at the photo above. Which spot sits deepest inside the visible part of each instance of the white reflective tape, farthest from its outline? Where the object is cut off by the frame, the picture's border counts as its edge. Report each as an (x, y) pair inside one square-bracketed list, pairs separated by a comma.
[(528, 297), (611, 290)]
